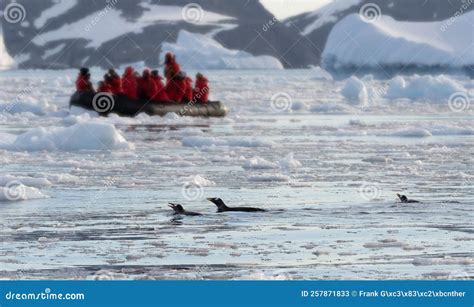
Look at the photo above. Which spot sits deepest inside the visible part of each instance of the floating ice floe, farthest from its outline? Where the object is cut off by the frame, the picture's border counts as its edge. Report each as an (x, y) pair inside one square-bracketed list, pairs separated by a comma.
[(83, 136), (355, 91), (200, 141)]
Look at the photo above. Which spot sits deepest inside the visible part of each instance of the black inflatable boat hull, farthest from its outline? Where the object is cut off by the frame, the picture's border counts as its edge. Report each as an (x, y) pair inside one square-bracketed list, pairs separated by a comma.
[(104, 104)]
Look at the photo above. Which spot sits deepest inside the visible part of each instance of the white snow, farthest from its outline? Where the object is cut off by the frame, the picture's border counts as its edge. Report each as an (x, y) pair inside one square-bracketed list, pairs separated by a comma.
[(355, 91), (289, 162), (327, 14), (25, 180), (50, 52), (20, 192), (27, 104), (356, 43), (197, 51), (200, 141), (84, 136), (200, 181), (96, 28), (432, 87), (259, 163), (6, 61), (58, 8), (320, 74)]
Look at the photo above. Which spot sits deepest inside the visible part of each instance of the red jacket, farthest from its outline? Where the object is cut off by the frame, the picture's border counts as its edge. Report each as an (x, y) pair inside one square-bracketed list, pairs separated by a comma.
[(201, 90), (104, 88), (116, 85), (83, 84), (188, 94), (171, 70), (160, 93), (129, 84), (176, 89), (146, 86)]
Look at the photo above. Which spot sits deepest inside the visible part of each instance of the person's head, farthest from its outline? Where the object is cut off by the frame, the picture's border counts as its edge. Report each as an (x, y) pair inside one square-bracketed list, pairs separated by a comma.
[(129, 70), (181, 75), (84, 71), (199, 75), (155, 73), (112, 72), (169, 58), (108, 77), (146, 73)]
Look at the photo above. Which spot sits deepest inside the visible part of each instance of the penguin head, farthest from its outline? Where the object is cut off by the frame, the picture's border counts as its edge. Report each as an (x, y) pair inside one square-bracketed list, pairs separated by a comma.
[(217, 201), (403, 198), (177, 208)]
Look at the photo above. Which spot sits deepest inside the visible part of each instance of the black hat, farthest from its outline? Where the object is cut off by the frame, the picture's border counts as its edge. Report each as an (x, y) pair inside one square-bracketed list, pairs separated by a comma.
[(155, 73), (84, 70)]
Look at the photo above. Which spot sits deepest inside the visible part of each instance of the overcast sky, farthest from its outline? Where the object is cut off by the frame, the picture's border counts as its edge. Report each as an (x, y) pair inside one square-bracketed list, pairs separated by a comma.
[(286, 8)]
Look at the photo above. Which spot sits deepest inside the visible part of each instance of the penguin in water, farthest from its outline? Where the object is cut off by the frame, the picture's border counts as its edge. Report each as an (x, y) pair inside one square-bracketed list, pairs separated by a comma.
[(222, 207), (178, 209), (405, 199)]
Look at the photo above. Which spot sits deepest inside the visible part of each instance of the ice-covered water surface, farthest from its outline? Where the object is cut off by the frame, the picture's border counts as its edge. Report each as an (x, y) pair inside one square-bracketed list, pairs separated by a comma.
[(86, 197)]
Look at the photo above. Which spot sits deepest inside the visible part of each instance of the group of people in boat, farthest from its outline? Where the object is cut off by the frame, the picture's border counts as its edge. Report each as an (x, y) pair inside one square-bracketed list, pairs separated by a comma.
[(150, 85)]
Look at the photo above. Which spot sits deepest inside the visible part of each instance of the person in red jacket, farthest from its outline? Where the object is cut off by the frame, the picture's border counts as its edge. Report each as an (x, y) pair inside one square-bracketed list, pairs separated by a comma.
[(115, 82), (129, 83), (201, 89), (146, 86), (83, 83), (160, 93), (172, 68), (188, 94), (104, 87), (176, 87)]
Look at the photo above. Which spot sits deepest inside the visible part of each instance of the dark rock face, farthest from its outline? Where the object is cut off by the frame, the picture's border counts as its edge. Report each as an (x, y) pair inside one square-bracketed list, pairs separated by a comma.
[(403, 10), (243, 25), (33, 42)]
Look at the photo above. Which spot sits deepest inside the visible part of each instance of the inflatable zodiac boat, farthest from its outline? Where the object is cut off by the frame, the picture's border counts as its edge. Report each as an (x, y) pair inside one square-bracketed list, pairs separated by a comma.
[(104, 103)]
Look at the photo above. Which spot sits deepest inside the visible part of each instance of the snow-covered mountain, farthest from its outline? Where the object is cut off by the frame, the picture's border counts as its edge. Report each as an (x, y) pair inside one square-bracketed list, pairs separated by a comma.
[(73, 33), (381, 33), (400, 44)]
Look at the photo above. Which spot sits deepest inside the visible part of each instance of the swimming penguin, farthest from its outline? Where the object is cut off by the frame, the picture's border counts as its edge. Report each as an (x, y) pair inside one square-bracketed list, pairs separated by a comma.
[(405, 199), (221, 206), (178, 209)]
